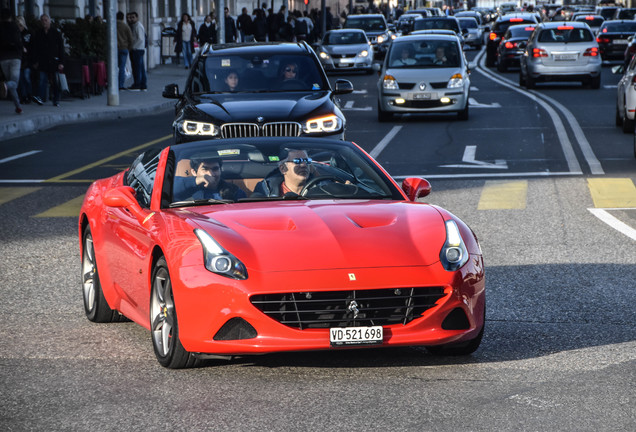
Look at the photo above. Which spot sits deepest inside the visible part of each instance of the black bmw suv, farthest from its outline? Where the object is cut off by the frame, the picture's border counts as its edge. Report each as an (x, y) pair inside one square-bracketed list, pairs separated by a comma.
[(258, 89)]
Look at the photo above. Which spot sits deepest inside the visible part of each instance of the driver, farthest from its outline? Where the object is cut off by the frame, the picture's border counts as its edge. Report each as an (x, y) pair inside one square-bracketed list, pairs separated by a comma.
[(206, 182), (293, 173)]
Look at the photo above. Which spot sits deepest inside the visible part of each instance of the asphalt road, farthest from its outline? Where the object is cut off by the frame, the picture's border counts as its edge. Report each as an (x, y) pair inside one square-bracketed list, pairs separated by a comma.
[(559, 351)]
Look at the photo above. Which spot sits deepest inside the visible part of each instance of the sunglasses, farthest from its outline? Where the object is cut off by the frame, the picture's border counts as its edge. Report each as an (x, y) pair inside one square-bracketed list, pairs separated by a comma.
[(290, 70), (299, 161)]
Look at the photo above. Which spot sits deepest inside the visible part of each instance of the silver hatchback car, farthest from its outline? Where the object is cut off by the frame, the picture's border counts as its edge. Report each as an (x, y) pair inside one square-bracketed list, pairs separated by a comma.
[(425, 73), (561, 51)]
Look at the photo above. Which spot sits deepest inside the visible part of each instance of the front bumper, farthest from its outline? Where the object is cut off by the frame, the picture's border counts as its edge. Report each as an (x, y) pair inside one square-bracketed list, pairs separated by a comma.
[(204, 307), (347, 64), (390, 101)]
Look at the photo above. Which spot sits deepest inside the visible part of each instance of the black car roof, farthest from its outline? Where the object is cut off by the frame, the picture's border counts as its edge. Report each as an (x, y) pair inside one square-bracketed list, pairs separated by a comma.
[(257, 48)]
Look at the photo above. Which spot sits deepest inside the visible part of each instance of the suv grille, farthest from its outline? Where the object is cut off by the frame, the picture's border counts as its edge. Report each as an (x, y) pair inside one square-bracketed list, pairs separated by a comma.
[(246, 130), (332, 308)]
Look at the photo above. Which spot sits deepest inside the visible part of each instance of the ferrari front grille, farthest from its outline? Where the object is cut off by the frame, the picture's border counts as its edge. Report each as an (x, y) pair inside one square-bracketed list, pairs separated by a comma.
[(274, 129), (325, 309)]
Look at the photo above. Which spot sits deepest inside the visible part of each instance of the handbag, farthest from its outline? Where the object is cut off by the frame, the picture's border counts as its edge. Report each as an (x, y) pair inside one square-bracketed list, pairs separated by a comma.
[(61, 78)]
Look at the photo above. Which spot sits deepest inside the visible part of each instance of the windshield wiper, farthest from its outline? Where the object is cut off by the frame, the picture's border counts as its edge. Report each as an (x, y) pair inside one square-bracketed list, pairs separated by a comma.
[(199, 202)]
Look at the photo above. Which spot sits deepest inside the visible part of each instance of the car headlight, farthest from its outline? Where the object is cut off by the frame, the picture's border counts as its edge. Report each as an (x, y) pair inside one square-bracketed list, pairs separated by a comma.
[(191, 127), (456, 80), (329, 123), (389, 83), (364, 53), (454, 253), (324, 55), (218, 260)]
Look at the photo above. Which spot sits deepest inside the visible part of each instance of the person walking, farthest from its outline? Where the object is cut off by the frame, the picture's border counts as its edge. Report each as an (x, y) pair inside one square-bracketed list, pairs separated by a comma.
[(260, 25), (137, 53), (207, 31), (244, 26), (48, 55), (10, 47), (230, 27), (124, 45), (25, 85), (184, 39)]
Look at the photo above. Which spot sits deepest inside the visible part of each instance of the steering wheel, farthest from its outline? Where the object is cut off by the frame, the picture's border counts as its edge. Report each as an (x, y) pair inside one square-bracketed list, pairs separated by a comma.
[(314, 182), (292, 84)]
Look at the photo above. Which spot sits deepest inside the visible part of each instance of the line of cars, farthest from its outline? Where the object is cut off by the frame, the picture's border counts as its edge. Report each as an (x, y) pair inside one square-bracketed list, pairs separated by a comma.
[(261, 230)]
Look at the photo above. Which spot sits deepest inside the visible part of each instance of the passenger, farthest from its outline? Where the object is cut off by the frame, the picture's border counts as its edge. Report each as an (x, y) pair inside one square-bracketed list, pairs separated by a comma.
[(289, 72), (406, 57), (232, 81), (205, 183)]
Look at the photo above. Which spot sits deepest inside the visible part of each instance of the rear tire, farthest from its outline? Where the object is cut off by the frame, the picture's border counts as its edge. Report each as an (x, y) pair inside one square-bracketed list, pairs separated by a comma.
[(502, 66), (164, 327), (530, 82), (595, 82), (522, 82), (619, 118), (628, 125)]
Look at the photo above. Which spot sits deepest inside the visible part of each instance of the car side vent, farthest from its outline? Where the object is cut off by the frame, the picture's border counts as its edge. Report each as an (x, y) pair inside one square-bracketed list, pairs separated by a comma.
[(456, 320), (235, 329)]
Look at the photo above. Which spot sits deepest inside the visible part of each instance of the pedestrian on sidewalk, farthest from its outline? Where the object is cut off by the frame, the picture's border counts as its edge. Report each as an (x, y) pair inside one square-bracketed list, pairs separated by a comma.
[(137, 53), (25, 85), (244, 26), (48, 51), (124, 45), (184, 39), (230, 27), (10, 46), (207, 31)]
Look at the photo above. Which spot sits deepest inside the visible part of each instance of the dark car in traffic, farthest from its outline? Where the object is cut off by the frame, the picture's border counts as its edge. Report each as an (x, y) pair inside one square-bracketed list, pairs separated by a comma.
[(512, 46), (257, 89), (612, 38), (499, 28)]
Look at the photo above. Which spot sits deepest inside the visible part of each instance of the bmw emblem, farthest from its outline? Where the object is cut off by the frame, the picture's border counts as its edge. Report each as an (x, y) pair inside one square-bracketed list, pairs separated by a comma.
[(260, 119), (422, 86)]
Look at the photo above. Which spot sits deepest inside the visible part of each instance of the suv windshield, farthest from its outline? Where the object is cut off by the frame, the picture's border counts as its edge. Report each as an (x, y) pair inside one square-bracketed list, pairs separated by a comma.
[(565, 34), (256, 73), (345, 38), (437, 24), (366, 23)]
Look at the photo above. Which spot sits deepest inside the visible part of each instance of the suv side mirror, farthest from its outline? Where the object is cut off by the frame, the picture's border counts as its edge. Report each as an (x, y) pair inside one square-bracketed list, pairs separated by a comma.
[(171, 91), (343, 87)]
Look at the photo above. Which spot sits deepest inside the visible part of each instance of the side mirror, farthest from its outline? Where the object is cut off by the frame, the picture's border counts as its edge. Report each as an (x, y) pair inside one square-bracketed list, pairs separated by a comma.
[(343, 87), (618, 70), (416, 187), (124, 197), (171, 91)]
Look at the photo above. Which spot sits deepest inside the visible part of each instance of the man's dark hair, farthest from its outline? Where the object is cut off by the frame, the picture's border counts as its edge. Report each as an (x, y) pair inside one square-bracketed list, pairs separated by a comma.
[(120, 15), (195, 163)]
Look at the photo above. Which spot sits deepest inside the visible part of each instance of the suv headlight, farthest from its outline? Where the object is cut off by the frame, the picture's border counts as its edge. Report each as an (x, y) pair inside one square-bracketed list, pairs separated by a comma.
[(218, 260), (454, 253), (324, 55), (363, 53), (191, 127), (383, 38), (456, 81), (329, 123)]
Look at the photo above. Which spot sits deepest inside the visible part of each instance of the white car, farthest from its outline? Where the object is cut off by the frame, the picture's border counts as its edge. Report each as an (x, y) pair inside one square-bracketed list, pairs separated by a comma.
[(424, 73), (626, 97), (348, 49)]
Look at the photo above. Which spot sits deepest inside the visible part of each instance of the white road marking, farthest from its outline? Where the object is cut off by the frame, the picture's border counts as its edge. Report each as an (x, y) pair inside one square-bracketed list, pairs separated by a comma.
[(566, 145), (349, 107), (8, 181), (621, 227), (474, 104), (470, 162), (486, 175), (21, 155), (362, 91), (385, 141)]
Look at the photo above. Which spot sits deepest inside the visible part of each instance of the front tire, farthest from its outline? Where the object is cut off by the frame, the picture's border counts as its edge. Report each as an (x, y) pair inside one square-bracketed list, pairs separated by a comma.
[(463, 114), (164, 327), (383, 116), (461, 348), (95, 306)]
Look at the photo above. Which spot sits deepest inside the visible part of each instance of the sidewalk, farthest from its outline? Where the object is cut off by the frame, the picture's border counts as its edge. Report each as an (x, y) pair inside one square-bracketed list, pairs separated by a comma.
[(35, 117)]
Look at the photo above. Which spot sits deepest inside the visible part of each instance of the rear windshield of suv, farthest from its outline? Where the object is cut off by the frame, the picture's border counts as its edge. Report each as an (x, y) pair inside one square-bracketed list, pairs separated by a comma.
[(592, 22), (502, 26), (520, 31), (366, 23), (565, 34), (619, 27)]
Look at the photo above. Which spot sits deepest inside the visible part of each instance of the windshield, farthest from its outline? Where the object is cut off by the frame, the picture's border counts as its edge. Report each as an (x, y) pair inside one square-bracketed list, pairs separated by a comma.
[(211, 172), (425, 54), (367, 24), (342, 38), (563, 34), (436, 24), (592, 22), (467, 23), (230, 73)]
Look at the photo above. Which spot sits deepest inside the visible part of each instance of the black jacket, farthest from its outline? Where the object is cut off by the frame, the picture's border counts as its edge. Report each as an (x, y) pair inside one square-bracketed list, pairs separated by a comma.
[(10, 41), (48, 50), (207, 34)]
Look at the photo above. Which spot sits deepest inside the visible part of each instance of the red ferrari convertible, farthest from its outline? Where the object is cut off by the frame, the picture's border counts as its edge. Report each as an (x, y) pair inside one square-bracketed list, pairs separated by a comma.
[(249, 246)]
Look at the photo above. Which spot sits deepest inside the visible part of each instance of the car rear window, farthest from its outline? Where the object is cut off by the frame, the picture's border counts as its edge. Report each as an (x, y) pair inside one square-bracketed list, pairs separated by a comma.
[(437, 24), (619, 27), (467, 23), (520, 31), (366, 24), (592, 22), (565, 34), (502, 26)]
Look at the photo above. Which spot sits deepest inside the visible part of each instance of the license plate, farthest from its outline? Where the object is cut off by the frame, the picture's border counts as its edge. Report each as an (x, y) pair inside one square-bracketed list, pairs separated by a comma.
[(565, 57), (619, 41), (346, 60), (339, 336), (422, 96)]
